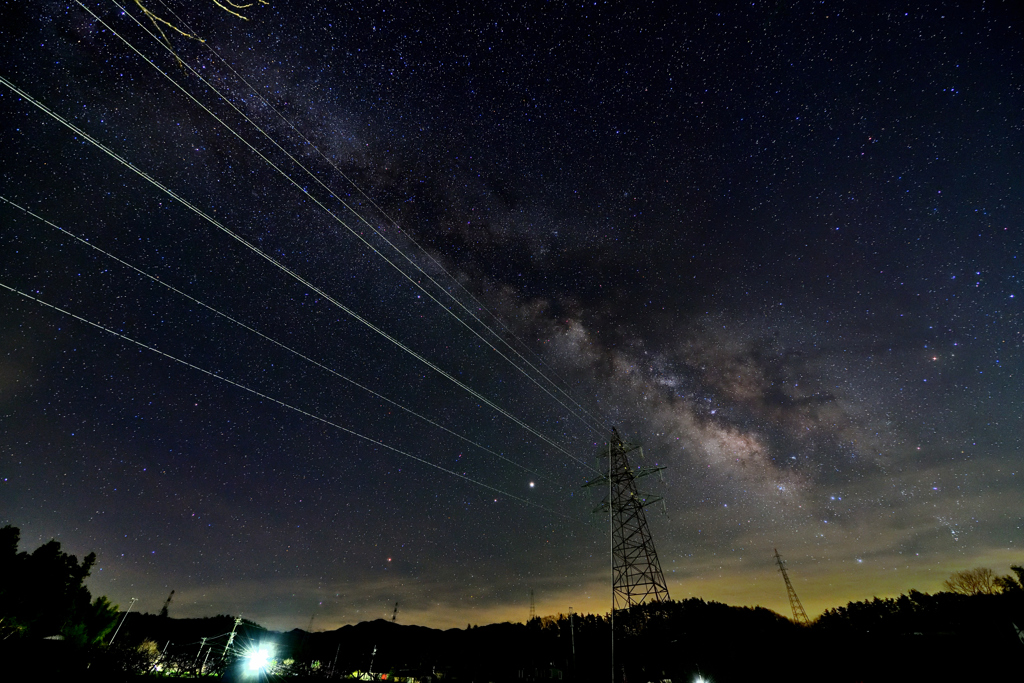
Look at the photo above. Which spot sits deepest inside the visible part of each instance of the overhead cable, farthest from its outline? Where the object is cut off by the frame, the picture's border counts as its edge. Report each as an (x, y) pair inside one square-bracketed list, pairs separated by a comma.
[(593, 426), (277, 264), (287, 348), (279, 402)]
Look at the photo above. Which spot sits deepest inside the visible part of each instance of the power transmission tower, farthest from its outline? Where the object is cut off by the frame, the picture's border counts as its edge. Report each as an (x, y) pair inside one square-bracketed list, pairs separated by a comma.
[(636, 572), (533, 607), (167, 604), (394, 615), (799, 615)]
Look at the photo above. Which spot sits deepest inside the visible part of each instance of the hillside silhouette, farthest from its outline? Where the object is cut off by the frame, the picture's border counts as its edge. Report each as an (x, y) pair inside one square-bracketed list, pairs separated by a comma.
[(917, 636), (51, 627)]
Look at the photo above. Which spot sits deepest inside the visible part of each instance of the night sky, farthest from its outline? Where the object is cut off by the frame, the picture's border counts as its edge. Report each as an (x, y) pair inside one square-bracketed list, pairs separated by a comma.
[(778, 244)]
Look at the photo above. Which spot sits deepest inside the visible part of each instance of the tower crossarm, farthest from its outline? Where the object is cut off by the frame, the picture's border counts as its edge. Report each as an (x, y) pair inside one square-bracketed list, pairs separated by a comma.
[(644, 471), (646, 499)]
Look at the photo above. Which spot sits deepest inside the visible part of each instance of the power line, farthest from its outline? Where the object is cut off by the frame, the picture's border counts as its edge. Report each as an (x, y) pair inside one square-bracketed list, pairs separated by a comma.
[(277, 264), (379, 210), (279, 402), (263, 336), (320, 204)]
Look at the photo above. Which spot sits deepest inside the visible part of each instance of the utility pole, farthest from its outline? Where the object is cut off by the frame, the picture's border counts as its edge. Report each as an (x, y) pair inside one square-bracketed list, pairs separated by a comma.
[(231, 638), (161, 658), (201, 646), (636, 575), (335, 662), (134, 600), (611, 557), (799, 615), (572, 633)]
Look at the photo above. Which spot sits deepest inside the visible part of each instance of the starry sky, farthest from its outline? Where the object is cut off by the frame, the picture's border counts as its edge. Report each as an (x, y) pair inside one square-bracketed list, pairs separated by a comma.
[(335, 308)]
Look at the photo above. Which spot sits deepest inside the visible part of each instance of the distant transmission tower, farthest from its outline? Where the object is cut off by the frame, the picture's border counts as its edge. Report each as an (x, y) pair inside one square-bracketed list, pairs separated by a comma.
[(799, 615), (167, 604), (636, 572), (533, 607)]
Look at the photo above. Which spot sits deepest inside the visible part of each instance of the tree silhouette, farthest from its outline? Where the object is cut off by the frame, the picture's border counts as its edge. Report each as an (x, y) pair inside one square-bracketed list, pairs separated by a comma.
[(1011, 584), (42, 594), (977, 581)]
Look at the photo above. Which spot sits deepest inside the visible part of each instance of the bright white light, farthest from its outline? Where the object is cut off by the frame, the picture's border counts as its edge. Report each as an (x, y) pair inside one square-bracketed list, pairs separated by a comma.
[(531, 484), (258, 660)]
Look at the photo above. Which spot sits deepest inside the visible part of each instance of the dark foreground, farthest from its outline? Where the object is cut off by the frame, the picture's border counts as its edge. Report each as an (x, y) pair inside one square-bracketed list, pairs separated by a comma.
[(918, 637)]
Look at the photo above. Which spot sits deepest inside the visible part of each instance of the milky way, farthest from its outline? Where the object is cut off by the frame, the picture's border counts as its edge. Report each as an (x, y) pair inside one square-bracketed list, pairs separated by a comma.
[(778, 246)]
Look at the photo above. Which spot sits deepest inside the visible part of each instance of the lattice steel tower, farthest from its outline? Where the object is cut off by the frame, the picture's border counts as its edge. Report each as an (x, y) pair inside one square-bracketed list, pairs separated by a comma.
[(799, 615), (636, 572)]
